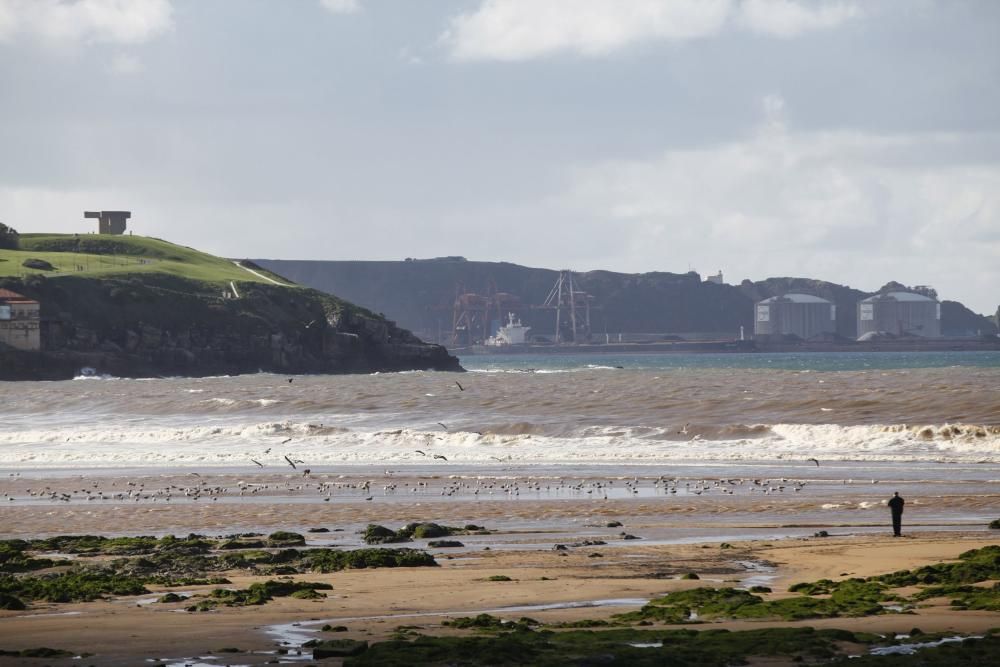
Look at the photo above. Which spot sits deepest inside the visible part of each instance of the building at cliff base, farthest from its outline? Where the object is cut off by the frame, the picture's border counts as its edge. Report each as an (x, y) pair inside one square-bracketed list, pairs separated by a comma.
[(19, 321), (899, 314), (802, 315)]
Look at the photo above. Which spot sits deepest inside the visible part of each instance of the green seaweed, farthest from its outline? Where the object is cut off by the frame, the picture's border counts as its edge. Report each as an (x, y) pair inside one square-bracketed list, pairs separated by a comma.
[(681, 648), (77, 585)]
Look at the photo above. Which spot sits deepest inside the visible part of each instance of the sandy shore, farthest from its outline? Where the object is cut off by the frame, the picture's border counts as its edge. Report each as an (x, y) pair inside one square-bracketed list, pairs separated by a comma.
[(769, 541)]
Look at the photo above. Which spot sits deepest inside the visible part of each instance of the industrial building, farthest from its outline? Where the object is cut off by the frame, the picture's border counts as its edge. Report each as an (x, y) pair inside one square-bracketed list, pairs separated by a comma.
[(900, 314), (801, 315), (19, 321)]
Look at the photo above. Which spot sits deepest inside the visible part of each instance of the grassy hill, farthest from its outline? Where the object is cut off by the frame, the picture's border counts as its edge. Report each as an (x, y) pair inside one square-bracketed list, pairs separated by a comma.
[(105, 255), (133, 306)]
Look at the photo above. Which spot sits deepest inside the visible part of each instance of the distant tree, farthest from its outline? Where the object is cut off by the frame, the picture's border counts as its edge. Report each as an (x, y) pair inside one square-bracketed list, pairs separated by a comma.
[(8, 237)]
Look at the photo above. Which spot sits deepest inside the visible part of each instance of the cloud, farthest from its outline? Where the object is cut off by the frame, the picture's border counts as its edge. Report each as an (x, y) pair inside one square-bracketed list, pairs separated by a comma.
[(124, 63), (61, 22), (341, 6), (787, 18), (845, 205), (515, 30)]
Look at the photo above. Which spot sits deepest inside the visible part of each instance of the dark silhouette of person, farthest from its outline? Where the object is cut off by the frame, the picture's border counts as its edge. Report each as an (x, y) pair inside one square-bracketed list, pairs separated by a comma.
[(896, 507)]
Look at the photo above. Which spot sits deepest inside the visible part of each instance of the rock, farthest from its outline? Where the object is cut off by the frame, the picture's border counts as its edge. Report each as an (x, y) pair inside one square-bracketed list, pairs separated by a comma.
[(318, 530), (39, 264), (441, 544), (375, 534), (284, 538), (11, 603), (338, 648), (613, 524), (627, 536), (426, 530)]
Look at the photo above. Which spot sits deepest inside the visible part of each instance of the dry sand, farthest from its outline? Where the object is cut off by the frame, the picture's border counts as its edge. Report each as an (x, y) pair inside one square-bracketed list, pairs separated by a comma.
[(373, 603)]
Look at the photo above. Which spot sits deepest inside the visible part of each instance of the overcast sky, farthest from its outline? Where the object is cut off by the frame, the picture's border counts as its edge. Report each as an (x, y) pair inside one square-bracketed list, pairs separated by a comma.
[(852, 141)]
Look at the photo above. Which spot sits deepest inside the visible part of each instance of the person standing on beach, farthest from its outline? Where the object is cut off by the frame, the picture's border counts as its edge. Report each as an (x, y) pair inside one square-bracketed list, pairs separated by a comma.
[(896, 507)]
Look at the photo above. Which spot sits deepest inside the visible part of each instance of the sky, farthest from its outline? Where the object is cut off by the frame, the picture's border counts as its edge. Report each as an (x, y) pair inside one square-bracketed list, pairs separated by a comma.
[(856, 141)]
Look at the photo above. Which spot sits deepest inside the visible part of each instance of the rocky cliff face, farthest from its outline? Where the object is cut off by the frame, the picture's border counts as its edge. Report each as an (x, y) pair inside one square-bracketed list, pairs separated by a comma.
[(157, 324), (420, 294)]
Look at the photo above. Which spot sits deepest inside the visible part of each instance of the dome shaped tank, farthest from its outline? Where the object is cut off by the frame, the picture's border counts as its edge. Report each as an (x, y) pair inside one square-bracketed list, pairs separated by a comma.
[(801, 315), (900, 314)]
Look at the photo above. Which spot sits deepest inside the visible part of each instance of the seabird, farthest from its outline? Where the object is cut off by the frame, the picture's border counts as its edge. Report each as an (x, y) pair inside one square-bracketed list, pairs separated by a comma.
[(816, 461), (284, 442), (420, 452), (291, 463), (442, 426), (460, 387), (257, 462), (441, 456)]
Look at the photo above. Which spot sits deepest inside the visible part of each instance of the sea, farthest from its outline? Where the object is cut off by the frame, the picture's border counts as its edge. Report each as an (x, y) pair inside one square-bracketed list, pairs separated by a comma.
[(557, 411)]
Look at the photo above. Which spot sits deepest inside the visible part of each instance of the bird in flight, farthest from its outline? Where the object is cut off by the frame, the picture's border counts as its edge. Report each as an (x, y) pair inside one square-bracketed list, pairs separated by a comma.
[(290, 462), (460, 387), (257, 462), (441, 456), (816, 461)]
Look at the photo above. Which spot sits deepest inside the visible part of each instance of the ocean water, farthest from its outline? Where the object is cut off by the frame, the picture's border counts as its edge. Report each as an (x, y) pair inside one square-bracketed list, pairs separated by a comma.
[(534, 410)]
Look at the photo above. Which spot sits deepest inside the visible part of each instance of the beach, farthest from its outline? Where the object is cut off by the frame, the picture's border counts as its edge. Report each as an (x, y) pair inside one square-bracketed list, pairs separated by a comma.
[(576, 495)]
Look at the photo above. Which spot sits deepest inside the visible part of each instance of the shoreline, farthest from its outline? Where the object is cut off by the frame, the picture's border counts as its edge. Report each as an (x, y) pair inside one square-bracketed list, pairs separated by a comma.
[(546, 585)]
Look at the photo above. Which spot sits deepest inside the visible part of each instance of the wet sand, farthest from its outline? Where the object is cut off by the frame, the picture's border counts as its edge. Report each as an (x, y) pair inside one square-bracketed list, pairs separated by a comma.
[(769, 542), (545, 586)]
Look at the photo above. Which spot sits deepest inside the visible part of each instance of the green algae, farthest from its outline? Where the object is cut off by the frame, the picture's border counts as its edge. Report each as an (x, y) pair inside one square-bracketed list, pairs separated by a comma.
[(845, 599), (260, 593), (965, 596), (77, 585), (682, 648)]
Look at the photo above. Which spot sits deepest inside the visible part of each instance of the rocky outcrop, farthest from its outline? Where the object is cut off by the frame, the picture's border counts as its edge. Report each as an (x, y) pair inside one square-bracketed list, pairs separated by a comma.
[(157, 324), (420, 295)]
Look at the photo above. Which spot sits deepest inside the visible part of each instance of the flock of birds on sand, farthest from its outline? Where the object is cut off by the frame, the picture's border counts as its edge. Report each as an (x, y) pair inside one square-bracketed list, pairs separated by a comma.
[(329, 487)]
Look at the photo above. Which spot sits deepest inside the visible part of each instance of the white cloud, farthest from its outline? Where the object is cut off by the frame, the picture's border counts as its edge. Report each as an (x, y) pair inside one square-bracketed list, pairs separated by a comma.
[(523, 29), (849, 206), (62, 22), (787, 18), (513, 30), (124, 63), (341, 6)]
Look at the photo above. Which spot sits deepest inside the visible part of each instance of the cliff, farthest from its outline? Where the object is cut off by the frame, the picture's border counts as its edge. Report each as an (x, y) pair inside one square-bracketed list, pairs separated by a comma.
[(130, 320), (420, 295)]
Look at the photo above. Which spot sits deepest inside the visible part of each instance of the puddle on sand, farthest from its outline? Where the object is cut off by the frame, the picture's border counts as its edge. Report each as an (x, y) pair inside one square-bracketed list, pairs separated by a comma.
[(910, 649), (762, 574)]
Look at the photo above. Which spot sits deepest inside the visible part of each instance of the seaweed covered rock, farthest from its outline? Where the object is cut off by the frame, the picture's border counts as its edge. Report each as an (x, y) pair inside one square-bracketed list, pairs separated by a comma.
[(338, 648)]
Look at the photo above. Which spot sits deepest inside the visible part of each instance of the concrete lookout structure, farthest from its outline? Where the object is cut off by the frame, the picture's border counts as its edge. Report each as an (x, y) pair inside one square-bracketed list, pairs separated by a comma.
[(801, 315), (900, 314), (109, 222), (19, 321)]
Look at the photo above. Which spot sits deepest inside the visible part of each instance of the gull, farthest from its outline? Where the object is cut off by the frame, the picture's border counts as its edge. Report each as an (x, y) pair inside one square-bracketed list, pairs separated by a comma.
[(290, 462), (684, 431), (460, 387), (816, 461), (442, 426), (310, 324), (420, 452), (441, 456), (284, 442), (257, 462)]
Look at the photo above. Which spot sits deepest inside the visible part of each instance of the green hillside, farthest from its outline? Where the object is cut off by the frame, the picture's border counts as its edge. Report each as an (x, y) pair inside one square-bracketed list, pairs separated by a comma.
[(99, 255)]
